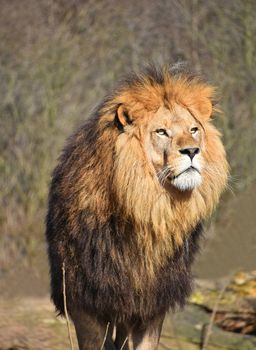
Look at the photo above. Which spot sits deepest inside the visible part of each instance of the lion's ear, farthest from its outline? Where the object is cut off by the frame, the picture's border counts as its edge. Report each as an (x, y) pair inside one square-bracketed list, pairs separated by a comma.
[(122, 117), (202, 101), (204, 107)]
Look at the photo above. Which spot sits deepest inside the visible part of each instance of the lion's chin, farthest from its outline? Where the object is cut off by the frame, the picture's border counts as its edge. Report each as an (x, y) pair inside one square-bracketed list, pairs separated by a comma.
[(187, 180)]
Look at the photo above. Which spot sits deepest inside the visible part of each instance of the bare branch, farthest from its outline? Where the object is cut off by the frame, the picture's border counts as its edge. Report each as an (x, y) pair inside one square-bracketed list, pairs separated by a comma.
[(208, 329), (65, 307), (105, 336), (124, 343)]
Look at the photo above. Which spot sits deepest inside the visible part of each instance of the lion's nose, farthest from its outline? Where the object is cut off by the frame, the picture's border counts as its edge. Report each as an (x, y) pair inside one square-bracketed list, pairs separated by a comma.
[(191, 152)]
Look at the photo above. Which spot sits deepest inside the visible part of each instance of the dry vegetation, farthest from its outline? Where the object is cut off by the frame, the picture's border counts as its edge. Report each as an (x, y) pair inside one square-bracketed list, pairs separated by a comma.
[(58, 59)]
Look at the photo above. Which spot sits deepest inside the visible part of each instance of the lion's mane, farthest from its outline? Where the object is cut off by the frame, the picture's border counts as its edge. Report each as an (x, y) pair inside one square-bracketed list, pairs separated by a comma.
[(127, 243)]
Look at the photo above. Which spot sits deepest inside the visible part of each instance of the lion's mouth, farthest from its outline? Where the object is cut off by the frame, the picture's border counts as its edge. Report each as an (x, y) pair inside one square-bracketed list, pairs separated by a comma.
[(189, 170), (187, 179)]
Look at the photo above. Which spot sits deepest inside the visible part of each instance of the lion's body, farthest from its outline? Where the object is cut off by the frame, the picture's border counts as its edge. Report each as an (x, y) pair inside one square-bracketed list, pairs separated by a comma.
[(127, 243)]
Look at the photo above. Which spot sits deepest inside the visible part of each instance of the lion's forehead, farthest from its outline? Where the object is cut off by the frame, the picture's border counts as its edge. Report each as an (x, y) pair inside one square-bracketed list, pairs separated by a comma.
[(177, 118)]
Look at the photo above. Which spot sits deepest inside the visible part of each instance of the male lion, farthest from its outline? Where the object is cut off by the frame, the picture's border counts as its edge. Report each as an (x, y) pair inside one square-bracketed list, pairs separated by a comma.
[(126, 204)]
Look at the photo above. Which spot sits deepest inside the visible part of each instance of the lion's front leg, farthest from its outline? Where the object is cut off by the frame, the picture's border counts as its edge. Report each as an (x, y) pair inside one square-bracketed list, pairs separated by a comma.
[(91, 333), (139, 337)]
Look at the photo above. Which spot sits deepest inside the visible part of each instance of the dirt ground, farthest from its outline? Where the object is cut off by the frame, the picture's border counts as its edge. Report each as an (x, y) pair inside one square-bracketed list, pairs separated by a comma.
[(31, 324)]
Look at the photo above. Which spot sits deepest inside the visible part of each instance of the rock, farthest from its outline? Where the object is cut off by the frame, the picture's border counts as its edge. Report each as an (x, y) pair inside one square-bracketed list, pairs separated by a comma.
[(186, 329), (233, 302)]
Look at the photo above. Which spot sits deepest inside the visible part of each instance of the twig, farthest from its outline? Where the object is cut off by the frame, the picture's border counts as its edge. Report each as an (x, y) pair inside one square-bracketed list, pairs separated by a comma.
[(65, 307), (105, 336), (177, 341), (124, 343), (208, 329)]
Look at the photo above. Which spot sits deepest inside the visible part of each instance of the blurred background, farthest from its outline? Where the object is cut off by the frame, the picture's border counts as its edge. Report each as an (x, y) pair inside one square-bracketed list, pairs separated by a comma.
[(58, 58)]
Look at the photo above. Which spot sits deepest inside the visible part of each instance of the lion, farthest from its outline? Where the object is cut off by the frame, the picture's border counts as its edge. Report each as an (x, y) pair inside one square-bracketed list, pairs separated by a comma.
[(126, 206)]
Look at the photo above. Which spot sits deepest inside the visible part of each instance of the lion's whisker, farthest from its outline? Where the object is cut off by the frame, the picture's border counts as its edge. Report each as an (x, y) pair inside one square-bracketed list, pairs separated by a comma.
[(213, 170), (163, 174)]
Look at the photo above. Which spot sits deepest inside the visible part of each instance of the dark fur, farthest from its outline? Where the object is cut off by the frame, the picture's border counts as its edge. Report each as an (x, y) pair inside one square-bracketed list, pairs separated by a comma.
[(97, 285)]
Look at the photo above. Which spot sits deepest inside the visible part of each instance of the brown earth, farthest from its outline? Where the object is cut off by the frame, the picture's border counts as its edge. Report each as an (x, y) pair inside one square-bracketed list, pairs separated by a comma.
[(29, 323)]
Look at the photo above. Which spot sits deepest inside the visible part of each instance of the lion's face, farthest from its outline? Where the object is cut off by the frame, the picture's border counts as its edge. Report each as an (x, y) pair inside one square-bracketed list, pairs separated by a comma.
[(174, 144), (171, 124)]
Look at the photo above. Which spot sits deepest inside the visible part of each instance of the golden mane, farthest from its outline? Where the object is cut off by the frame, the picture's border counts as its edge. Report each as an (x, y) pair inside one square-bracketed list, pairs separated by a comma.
[(160, 220)]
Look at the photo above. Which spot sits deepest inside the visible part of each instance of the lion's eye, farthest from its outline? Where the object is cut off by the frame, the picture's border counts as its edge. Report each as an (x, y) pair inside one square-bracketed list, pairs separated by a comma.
[(194, 130), (161, 132)]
